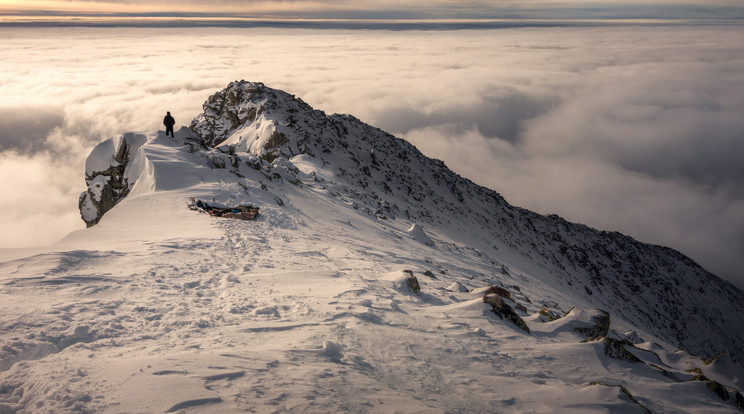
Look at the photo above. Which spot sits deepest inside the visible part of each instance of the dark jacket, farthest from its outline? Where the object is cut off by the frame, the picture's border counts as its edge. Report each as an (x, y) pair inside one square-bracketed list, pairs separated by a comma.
[(169, 121)]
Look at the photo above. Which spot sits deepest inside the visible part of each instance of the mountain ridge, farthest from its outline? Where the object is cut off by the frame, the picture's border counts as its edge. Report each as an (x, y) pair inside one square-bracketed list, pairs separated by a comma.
[(373, 279), (616, 268)]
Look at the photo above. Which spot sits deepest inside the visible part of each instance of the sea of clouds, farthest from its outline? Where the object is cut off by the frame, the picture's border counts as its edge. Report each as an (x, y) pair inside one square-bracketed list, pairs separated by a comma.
[(637, 129)]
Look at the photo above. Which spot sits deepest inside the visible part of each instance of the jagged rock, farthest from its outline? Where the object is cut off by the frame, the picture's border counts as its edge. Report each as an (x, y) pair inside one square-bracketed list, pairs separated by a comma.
[(106, 176), (714, 357), (714, 386), (223, 112), (600, 326), (457, 287), (412, 282), (498, 290), (418, 234), (626, 392), (272, 115), (404, 281), (505, 311), (614, 348), (633, 337), (548, 315), (738, 400)]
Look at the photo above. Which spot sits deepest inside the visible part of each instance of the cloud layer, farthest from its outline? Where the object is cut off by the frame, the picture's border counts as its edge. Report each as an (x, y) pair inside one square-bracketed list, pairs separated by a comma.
[(629, 129), (390, 9)]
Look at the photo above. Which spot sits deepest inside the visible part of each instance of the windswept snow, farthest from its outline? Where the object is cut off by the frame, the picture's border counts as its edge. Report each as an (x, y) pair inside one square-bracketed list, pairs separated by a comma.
[(310, 308)]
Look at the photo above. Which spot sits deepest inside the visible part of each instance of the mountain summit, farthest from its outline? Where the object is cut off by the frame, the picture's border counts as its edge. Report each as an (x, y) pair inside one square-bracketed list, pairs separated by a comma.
[(374, 279)]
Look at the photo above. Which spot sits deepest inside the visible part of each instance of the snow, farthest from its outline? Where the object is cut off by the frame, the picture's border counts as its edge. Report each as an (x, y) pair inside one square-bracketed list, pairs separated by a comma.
[(419, 235), (307, 308)]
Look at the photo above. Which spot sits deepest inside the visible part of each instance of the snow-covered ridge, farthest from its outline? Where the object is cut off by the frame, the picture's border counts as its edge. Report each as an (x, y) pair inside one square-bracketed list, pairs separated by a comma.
[(370, 266), (655, 287)]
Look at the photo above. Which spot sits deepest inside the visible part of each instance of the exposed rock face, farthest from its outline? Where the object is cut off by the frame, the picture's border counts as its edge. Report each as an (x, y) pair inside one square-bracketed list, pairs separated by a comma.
[(227, 110), (267, 116), (106, 176)]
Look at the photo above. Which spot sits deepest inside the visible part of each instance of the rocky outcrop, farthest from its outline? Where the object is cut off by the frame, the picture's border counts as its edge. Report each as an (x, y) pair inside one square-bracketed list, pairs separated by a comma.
[(106, 176), (275, 124), (227, 110)]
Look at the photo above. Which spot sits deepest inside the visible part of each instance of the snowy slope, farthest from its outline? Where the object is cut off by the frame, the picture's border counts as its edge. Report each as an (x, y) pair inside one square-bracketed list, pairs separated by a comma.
[(370, 282)]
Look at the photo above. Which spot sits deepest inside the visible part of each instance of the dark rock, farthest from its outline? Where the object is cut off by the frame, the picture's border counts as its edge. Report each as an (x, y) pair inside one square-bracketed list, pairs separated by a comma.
[(614, 348), (498, 290), (738, 400), (626, 392), (714, 386), (505, 311), (600, 326), (412, 282)]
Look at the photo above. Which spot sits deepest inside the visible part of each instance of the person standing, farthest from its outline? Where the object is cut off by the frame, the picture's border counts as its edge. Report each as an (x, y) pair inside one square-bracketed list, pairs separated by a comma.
[(168, 121)]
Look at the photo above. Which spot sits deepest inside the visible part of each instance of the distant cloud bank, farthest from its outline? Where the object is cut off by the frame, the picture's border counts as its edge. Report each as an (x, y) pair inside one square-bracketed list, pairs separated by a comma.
[(634, 129), (358, 13)]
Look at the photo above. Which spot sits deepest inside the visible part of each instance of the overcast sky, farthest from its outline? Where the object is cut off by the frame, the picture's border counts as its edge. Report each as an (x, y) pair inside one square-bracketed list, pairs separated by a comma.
[(635, 129)]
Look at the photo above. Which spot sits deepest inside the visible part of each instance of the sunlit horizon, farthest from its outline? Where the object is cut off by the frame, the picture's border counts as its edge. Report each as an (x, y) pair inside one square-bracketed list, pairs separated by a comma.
[(395, 11)]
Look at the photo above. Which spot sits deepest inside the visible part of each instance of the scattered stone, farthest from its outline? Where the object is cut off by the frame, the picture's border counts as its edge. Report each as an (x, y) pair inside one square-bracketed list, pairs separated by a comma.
[(412, 281), (633, 337), (616, 349), (600, 326), (418, 234), (626, 392), (498, 290), (738, 400), (714, 386), (714, 357), (549, 314), (505, 311), (457, 287)]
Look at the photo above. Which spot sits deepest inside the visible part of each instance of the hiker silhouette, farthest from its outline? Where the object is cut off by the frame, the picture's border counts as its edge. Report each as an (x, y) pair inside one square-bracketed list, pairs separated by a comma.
[(168, 121)]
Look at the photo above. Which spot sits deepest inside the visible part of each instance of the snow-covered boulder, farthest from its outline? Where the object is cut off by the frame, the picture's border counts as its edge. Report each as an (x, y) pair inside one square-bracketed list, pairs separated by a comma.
[(418, 234), (501, 308), (457, 287), (404, 281), (107, 174)]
